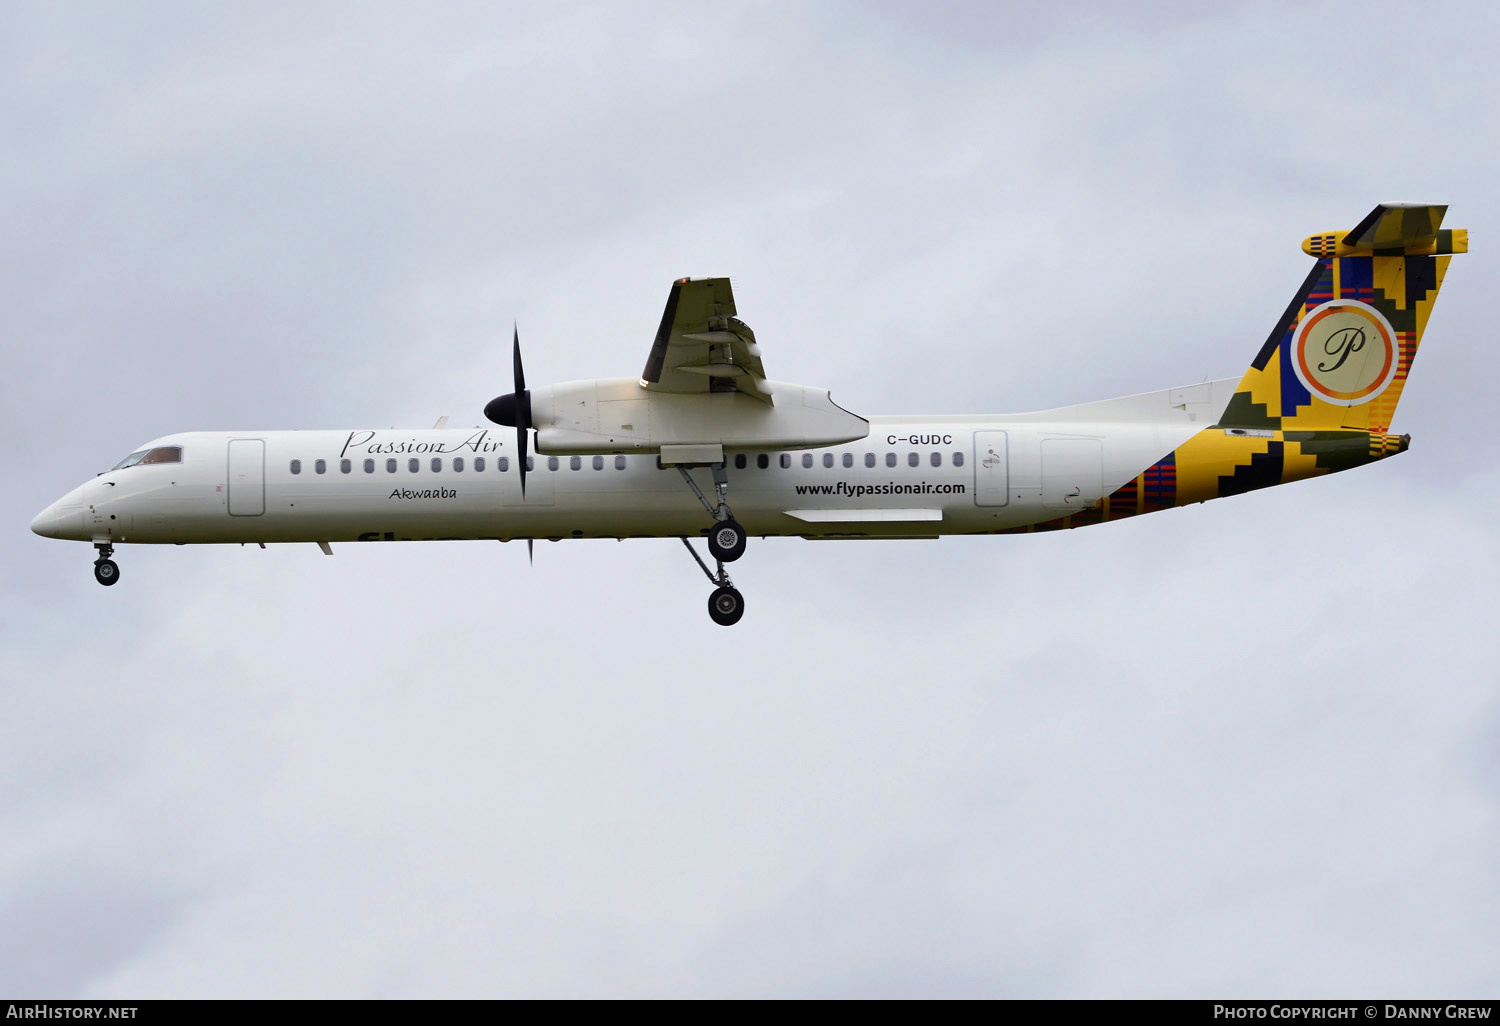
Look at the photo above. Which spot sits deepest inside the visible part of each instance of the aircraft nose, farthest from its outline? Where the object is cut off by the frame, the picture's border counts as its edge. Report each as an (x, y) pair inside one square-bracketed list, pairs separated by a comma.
[(59, 521)]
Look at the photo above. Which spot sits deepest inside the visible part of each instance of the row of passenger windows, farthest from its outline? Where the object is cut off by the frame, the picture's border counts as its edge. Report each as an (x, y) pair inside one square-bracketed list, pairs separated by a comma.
[(502, 463), (913, 459), (479, 464)]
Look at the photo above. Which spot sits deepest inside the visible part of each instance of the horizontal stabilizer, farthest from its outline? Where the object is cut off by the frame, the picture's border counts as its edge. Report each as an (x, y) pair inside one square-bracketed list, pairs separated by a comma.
[(1393, 229), (1397, 225)]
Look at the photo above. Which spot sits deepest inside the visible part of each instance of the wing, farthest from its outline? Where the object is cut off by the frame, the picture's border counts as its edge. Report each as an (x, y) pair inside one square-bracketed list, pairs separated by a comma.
[(702, 346)]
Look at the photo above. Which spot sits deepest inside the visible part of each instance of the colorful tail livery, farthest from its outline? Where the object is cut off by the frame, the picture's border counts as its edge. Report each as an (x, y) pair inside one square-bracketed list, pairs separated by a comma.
[(1321, 392), (1339, 356)]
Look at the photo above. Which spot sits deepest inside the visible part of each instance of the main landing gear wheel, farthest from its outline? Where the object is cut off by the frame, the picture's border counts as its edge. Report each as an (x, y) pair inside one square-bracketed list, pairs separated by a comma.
[(106, 572), (726, 542), (726, 606), (726, 539)]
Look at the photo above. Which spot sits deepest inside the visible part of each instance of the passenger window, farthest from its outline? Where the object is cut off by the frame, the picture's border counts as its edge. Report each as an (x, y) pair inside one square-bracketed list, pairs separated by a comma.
[(598, 462), (762, 461), (296, 466), (390, 466), (530, 464), (913, 459), (807, 461), (890, 459), (458, 464), (479, 464), (958, 459), (437, 465), (828, 459), (869, 459), (321, 466), (848, 459), (937, 459), (345, 466), (552, 463), (739, 461), (163, 454), (620, 462), (414, 465), (575, 463), (786, 460), (369, 466)]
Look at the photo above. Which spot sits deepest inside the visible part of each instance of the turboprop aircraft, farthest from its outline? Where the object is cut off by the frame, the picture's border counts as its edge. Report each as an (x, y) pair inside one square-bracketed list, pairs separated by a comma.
[(659, 456)]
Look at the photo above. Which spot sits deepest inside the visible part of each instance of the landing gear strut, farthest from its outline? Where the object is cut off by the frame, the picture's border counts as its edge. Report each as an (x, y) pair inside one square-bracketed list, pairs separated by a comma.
[(726, 541), (726, 605), (106, 572)]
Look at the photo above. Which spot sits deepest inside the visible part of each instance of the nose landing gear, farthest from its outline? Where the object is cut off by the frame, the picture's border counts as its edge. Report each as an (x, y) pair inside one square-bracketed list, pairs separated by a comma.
[(106, 572)]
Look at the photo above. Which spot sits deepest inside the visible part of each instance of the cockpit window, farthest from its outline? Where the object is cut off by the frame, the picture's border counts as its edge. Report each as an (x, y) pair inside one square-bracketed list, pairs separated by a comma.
[(131, 460), (164, 454), (161, 454)]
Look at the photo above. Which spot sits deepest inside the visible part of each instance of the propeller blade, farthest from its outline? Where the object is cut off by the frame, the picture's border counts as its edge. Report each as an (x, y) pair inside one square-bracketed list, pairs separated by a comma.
[(520, 372), (522, 458), (514, 408), (530, 558), (523, 408)]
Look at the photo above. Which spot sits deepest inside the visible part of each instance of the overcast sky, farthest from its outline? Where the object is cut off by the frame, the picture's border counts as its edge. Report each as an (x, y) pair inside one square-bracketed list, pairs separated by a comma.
[(1243, 749)]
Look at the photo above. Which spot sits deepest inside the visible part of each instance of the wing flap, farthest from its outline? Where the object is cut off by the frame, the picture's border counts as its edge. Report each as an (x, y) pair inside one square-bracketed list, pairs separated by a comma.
[(701, 346)]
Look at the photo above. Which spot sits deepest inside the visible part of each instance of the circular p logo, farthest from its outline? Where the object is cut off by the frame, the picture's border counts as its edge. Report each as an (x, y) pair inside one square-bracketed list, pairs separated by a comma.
[(1345, 352)]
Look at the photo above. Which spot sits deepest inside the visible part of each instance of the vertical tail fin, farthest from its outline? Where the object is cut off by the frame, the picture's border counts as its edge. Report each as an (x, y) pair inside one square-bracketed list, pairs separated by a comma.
[(1339, 356)]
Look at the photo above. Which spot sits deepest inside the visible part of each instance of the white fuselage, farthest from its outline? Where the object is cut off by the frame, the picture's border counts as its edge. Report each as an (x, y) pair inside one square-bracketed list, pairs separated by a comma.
[(930, 476)]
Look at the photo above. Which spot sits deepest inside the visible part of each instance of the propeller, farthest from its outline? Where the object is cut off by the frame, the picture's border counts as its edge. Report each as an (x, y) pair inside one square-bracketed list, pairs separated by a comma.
[(514, 410)]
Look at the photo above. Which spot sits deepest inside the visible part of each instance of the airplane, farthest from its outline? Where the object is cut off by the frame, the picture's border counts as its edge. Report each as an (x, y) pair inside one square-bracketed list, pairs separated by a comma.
[(655, 456)]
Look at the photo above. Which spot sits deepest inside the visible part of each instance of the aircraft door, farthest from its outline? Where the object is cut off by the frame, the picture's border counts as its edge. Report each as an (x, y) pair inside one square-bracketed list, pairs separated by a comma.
[(991, 469), (1072, 473), (247, 477)]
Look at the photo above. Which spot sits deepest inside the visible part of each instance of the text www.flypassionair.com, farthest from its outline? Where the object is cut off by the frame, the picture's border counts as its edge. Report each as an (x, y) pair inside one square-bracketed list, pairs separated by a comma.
[(855, 491)]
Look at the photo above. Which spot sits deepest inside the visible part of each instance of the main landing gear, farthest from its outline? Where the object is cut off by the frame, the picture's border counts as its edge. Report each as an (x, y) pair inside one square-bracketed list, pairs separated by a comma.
[(106, 572), (726, 543), (726, 605)]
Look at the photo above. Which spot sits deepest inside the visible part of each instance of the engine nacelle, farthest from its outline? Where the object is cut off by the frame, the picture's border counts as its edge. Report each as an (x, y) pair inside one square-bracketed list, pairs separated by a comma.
[(618, 415)]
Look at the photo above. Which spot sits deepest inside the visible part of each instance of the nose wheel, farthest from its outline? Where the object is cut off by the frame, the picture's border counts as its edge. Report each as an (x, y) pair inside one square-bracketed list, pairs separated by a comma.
[(726, 605), (106, 571)]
